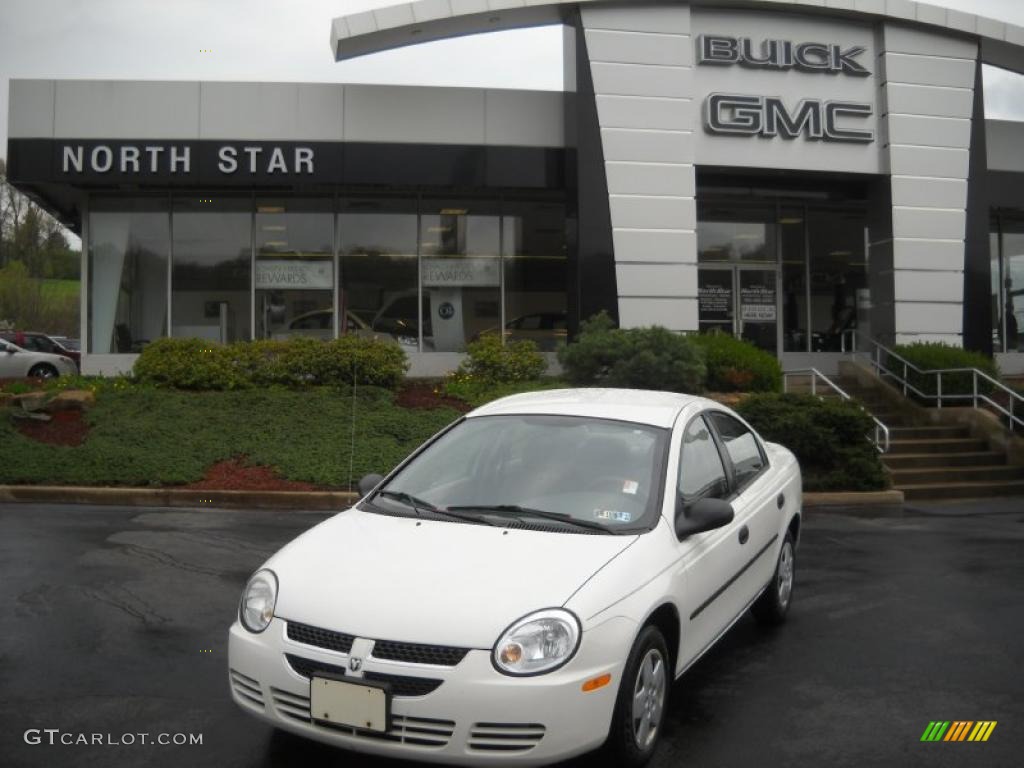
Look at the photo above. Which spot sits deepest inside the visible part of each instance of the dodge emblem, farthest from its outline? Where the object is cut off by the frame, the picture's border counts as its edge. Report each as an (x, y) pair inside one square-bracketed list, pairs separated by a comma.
[(355, 663)]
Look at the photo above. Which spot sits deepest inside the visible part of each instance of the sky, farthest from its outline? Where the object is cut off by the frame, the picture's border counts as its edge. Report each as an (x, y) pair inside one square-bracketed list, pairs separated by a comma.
[(288, 40)]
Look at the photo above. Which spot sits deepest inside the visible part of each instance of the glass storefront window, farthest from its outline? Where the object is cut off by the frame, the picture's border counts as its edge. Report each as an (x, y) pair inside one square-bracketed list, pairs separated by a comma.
[(737, 233), (535, 273), (211, 279), (1012, 252), (294, 268), (379, 269), (129, 239), (793, 254), (460, 246), (838, 277)]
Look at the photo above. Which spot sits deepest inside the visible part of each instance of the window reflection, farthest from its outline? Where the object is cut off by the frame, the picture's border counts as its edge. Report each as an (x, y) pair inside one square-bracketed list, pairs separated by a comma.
[(461, 271), (294, 268), (211, 291), (128, 245), (838, 277)]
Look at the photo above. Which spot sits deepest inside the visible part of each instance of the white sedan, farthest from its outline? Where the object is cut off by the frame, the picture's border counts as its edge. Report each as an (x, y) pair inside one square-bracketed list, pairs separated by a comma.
[(527, 585), (18, 363)]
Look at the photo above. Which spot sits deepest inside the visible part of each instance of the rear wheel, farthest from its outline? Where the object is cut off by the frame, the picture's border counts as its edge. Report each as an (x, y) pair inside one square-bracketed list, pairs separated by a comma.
[(43, 371), (640, 707), (773, 605)]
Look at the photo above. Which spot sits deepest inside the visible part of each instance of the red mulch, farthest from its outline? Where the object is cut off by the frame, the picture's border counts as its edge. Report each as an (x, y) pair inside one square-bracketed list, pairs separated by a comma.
[(233, 475), (63, 428), (424, 396)]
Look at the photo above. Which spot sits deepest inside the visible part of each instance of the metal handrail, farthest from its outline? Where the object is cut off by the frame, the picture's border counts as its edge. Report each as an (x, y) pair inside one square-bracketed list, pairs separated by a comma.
[(974, 397), (881, 436)]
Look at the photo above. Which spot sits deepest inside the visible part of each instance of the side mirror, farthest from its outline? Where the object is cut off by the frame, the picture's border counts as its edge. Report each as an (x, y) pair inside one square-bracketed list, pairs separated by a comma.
[(368, 482), (702, 515)]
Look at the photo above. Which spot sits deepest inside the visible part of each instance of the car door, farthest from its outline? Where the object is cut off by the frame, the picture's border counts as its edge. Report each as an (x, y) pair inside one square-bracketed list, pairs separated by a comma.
[(9, 365), (708, 561), (757, 503)]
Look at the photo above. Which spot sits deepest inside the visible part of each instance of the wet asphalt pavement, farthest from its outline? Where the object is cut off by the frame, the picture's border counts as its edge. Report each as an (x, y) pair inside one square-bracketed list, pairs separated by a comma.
[(116, 623)]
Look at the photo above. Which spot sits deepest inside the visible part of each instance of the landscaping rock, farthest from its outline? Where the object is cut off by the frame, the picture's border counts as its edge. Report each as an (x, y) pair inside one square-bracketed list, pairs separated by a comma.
[(72, 400), (29, 401)]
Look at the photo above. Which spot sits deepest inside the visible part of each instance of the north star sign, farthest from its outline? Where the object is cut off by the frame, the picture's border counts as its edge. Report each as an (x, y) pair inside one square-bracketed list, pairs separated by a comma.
[(728, 114), (174, 159)]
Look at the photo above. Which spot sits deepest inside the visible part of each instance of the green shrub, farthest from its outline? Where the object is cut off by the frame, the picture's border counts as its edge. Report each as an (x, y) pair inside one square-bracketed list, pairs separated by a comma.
[(735, 365), (639, 358), (829, 437), (936, 355), (476, 392), (195, 364), (491, 361)]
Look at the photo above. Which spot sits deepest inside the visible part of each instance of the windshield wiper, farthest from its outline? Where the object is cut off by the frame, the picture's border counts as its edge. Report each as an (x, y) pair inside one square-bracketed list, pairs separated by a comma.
[(514, 510), (418, 505)]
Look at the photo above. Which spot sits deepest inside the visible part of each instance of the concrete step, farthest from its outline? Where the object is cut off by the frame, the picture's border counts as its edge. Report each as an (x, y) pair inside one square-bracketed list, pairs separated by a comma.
[(943, 445), (923, 433), (973, 459), (944, 475), (979, 490)]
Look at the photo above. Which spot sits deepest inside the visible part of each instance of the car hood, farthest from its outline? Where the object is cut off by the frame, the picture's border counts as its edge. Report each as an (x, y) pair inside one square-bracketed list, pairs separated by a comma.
[(437, 582)]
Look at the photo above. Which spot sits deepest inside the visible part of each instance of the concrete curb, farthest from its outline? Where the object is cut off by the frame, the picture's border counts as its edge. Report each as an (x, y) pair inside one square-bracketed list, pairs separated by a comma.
[(890, 498), (183, 497), (178, 497)]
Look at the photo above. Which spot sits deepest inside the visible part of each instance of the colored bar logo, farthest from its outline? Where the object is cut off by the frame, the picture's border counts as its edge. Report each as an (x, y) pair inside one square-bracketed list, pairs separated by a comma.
[(958, 730)]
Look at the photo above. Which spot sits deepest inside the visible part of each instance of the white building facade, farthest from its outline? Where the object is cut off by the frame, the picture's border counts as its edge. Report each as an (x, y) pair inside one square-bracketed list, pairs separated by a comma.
[(795, 173)]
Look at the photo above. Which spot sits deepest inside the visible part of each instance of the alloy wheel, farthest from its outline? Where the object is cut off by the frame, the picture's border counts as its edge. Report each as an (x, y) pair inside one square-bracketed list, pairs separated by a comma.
[(648, 698)]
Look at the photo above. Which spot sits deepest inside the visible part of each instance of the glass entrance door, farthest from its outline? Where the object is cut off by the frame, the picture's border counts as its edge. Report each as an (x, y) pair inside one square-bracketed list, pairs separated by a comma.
[(742, 301)]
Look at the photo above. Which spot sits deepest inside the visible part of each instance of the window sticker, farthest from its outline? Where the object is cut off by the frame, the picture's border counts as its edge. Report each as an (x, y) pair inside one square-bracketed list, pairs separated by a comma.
[(630, 487), (613, 515)]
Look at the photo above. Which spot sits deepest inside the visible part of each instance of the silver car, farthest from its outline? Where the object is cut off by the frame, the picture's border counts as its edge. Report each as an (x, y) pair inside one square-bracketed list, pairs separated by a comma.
[(18, 363)]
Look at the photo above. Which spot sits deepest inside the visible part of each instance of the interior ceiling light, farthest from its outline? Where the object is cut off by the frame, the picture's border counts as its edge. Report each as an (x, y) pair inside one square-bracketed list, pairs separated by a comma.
[(454, 211), (791, 220), (270, 209)]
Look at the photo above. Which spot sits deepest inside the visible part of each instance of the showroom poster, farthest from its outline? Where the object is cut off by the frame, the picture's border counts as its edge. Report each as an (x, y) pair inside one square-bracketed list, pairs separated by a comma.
[(283, 274), (757, 303)]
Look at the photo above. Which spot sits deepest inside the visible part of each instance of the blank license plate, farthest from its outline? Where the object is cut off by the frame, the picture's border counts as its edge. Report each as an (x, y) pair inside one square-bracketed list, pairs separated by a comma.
[(342, 703)]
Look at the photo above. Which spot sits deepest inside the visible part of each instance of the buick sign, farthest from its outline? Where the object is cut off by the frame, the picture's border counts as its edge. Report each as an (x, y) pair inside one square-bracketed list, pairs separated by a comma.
[(730, 114)]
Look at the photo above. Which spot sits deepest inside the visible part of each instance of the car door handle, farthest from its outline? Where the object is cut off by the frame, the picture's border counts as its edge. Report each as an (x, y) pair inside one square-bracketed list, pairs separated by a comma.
[(780, 502), (744, 534)]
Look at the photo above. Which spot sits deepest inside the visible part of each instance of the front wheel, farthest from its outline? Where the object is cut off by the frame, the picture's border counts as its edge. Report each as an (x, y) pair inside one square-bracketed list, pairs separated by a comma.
[(773, 605), (640, 707), (43, 371)]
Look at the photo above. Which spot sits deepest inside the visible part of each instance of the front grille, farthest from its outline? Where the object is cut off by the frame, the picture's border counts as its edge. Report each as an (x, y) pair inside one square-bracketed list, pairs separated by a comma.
[(401, 685), (321, 638), (247, 688), (414, 731), (416, 653), (504, 737), (306, 667)]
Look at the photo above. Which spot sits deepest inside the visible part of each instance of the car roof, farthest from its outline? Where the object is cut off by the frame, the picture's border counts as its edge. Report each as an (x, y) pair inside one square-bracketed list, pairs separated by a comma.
[(659, 409)]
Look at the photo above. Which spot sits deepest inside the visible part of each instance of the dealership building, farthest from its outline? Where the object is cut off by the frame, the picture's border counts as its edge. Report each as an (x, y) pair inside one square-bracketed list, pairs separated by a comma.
[(794, 173)]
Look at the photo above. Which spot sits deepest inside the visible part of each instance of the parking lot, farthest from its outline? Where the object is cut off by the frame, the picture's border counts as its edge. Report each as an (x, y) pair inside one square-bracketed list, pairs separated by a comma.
[(116, 623)]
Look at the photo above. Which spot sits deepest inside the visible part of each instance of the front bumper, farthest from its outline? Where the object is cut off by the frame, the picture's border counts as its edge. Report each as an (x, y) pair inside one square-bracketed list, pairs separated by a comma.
[(476, 716)]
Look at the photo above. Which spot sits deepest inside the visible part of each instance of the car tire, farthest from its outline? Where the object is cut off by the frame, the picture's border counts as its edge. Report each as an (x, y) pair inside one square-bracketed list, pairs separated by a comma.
[(642, 702), (772, 606), (43, 371)]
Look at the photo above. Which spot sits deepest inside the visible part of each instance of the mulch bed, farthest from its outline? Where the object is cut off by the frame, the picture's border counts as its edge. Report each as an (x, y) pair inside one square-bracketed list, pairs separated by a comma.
[(234, 475), (63, 428), (424, 396)]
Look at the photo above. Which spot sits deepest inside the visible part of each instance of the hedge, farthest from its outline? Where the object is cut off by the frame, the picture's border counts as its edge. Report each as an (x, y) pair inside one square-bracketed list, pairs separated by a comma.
[(735, 365), (490, 361), (194, 364), (638, 358), (829, 437), (936, 355)]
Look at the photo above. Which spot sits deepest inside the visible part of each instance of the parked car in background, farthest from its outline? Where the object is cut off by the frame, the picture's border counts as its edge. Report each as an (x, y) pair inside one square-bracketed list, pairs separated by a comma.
[(74, 345), (527, 585), (18, 363), (548, 330), (319, 324), (40, 342)]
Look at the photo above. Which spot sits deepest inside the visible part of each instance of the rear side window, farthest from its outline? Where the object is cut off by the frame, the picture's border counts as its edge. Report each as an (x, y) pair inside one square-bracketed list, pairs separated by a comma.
[(741, 445), (701, 474)]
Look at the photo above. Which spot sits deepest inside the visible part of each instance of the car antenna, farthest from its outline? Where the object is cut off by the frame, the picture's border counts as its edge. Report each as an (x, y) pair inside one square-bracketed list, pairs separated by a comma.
[(352, 443)]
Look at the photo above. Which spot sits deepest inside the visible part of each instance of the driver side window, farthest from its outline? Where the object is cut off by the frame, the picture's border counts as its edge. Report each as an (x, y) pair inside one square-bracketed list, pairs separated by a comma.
[(701, 474)]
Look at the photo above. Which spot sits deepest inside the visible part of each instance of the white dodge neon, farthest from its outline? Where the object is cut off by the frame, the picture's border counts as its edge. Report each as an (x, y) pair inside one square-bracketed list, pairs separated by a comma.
[(527, 585)]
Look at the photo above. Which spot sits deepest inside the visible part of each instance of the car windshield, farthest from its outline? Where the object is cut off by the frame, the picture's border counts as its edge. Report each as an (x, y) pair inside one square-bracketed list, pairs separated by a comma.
[(567, 471)]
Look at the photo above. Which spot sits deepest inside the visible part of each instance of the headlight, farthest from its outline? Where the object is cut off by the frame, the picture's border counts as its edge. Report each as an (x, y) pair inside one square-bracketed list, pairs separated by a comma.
[(258, 601), (537, 643)]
